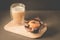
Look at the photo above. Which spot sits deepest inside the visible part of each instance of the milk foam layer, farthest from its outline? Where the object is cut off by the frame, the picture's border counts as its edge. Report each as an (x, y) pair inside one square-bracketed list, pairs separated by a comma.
[(18, 9)]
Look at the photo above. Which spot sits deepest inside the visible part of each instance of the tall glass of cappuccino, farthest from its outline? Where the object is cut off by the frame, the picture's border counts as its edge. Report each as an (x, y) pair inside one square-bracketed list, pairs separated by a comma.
[(17, 11)]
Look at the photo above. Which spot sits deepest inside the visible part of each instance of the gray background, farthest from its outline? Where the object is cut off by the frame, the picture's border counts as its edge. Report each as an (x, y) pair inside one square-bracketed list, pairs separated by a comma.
[(33, 4)]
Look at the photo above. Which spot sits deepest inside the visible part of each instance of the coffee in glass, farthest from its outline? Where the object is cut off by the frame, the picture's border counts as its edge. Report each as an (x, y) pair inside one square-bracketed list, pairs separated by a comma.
[(18, 12)]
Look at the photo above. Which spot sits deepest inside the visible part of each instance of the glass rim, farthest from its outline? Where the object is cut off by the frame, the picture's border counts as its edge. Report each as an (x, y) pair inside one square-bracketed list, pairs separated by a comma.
[(23, 5)]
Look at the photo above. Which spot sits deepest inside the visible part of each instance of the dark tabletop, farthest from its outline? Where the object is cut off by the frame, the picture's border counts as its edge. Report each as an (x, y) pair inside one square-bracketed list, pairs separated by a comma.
[(52, 18)]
